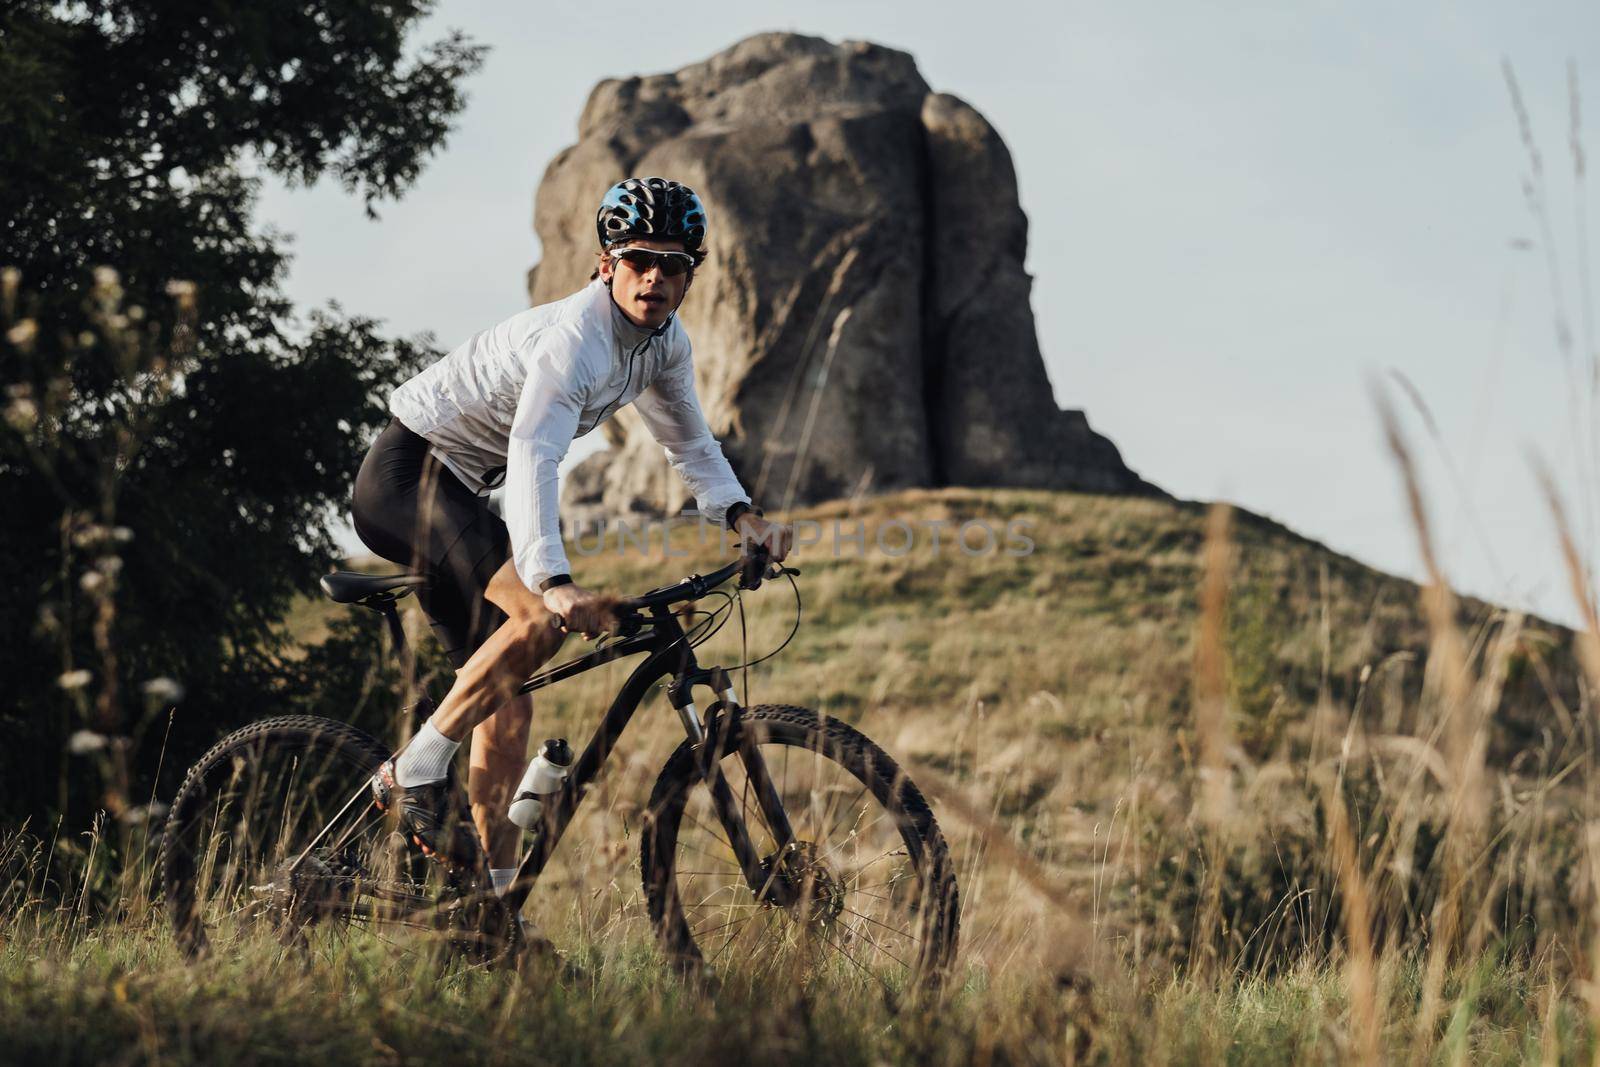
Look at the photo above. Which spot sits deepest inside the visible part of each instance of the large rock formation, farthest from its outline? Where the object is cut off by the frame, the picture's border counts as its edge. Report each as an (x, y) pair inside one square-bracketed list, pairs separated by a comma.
[(863, 321)]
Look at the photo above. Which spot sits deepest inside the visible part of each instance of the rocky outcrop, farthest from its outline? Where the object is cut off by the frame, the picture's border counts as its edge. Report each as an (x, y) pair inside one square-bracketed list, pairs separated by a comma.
[(863, 321)]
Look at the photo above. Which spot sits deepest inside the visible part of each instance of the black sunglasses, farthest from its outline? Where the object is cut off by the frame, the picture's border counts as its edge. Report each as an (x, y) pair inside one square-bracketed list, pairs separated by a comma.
[(643, 260)]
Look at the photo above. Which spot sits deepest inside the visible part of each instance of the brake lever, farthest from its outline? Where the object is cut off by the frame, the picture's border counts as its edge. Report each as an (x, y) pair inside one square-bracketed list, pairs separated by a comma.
[(559, 622), (626, 627)]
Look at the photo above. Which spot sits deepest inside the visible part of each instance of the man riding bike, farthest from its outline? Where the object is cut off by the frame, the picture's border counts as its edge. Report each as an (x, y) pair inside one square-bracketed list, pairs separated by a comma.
[(503, 408)]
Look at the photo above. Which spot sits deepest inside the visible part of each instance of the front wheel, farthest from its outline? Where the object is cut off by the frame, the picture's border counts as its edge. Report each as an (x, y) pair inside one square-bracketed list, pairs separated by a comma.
[(873, 886)]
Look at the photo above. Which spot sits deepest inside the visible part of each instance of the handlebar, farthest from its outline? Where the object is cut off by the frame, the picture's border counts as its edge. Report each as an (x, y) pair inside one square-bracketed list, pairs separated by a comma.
[(751, 567)]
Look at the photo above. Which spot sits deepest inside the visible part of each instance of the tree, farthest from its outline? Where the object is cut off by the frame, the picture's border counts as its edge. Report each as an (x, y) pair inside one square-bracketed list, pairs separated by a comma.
[(174, 440)]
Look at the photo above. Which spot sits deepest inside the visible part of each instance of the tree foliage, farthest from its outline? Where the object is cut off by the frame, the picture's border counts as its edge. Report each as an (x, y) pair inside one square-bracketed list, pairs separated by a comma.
[(178, 446)]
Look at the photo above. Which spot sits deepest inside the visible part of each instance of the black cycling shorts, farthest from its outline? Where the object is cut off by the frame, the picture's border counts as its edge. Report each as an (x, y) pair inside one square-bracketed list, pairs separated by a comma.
[(411, 510)]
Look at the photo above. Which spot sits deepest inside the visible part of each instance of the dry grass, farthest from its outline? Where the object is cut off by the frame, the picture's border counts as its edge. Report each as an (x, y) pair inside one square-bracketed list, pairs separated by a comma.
[(1213, 795)]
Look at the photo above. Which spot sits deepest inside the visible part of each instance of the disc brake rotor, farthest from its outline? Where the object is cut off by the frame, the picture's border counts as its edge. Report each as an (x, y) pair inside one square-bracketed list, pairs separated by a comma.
[(815, 892)]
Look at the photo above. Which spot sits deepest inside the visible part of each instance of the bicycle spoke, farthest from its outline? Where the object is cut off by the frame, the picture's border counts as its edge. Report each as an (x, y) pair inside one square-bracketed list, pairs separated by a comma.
[(863, 968), (367, 815), (722, 926), (880, 885), (835, 895), (708, 874), (710, 831), (873, 896), (258, 826), (894, 850), (703, 852), (858, 932), (705, 902), (893, 930), (856, 835)]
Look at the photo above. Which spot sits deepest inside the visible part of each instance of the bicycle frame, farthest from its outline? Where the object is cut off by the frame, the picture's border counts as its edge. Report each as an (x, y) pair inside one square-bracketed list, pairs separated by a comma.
[(668, 653)]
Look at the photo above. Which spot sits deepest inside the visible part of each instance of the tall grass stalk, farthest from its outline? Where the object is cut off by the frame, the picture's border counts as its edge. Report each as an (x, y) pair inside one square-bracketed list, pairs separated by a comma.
[(1211, 731)]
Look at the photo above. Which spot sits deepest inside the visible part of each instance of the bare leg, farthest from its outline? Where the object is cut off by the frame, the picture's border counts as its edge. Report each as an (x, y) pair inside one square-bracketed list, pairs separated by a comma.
[(499, 754), (493, 674)]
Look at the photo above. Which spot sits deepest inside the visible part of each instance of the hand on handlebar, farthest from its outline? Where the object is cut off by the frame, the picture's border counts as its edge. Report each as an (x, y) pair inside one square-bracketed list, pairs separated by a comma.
[(775, 537), (580, 610)]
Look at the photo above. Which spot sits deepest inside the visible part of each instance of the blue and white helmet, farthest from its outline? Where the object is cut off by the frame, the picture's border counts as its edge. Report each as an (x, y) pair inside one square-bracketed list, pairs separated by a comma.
[(654, 208)]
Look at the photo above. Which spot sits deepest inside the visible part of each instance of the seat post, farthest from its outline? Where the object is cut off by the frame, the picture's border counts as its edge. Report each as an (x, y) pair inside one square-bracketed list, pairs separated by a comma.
[(423, 706), (397, 632)]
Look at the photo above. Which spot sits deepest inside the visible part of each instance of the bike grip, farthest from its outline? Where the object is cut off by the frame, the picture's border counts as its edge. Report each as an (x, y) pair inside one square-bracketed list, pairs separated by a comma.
[(754, 567), (557, 622)]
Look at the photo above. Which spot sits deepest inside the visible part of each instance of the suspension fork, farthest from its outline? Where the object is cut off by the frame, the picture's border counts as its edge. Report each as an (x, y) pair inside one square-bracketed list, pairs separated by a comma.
[(767, 883)]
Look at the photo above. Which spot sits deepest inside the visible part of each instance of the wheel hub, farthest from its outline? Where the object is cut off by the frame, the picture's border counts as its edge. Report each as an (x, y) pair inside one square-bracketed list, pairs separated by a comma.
[(310, 890), (810, 890)]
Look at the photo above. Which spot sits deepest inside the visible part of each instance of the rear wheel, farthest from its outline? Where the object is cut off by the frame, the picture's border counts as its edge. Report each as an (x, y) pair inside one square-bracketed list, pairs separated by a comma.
[(872, 888), (274, 829)]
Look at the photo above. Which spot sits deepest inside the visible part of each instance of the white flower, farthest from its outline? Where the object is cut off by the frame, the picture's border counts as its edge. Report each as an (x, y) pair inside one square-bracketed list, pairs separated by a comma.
[(22, 414), (106, 277), (91, 581), (75, 679), (85, 742), (121, 534), (23, 333), (163, 690)]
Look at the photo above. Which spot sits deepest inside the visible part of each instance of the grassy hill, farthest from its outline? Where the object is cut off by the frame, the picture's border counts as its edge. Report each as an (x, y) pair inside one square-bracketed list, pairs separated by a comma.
[(1344, 830), (1049, 696)]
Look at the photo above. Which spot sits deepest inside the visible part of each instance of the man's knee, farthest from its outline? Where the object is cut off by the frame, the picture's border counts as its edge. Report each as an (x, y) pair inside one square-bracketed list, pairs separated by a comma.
[(531, 639)]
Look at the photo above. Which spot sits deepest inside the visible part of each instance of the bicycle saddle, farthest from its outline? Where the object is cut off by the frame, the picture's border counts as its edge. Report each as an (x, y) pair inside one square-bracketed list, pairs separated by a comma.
[(353, 587)]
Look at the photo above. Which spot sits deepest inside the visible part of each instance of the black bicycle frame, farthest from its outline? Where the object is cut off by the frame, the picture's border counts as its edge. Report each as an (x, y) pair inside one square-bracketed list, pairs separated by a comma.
[(668, 653)]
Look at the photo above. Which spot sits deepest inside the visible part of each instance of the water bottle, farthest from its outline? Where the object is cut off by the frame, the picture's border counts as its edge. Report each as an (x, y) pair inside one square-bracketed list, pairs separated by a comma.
[(544, 777)]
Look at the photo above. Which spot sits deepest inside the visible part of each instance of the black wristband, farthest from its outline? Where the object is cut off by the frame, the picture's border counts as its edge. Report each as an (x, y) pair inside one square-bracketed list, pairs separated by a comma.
[(553, 581), (730, 518)]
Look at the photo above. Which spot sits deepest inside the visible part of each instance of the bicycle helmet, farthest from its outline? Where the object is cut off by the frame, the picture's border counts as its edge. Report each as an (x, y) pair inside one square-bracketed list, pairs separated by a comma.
[(651, 208)]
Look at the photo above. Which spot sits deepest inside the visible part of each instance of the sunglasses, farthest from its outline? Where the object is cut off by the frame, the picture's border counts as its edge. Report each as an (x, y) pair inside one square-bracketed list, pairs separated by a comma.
[(643, 260)]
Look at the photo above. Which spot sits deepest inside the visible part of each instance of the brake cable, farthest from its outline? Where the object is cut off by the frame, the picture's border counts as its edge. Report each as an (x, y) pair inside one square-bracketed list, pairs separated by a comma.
[(705, 631), (715, 619), (789, 574)]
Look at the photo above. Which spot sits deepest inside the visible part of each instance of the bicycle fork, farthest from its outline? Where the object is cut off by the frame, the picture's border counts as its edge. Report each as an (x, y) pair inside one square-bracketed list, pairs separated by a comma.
[(766, 881)]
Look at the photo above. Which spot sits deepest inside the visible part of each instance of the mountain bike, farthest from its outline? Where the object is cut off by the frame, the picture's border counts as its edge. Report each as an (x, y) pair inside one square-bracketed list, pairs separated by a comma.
[(773, 834)]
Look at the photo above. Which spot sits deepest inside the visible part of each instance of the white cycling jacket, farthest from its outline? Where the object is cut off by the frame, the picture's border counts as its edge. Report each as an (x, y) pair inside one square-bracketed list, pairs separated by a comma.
[(509, 402)]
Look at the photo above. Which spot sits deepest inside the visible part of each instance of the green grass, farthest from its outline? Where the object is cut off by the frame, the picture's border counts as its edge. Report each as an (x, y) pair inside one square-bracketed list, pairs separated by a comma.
[(120, 995)]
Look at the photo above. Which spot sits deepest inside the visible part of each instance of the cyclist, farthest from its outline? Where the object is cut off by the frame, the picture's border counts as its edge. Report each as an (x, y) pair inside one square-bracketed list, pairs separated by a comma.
[(503, 408)]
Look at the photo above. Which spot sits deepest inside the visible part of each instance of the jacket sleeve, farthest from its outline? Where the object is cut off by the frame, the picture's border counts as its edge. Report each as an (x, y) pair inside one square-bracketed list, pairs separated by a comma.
[(541, 432), (671, 412)]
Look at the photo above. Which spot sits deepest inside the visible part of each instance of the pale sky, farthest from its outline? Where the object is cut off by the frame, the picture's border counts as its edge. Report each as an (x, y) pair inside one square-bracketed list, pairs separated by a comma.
[(1239, 217)]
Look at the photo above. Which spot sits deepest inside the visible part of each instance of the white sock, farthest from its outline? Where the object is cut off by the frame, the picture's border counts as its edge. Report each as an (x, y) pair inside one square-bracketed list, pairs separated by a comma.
[(502, 877), (426, 759)]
